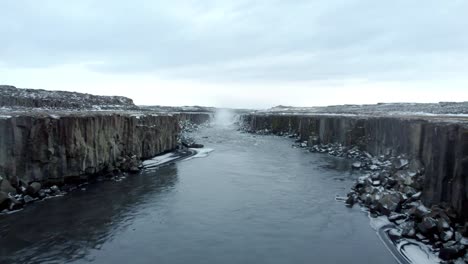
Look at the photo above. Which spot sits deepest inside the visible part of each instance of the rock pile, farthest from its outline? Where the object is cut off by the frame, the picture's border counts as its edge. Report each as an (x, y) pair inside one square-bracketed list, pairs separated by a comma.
[(185, 138), (15, 194), (392, 187)]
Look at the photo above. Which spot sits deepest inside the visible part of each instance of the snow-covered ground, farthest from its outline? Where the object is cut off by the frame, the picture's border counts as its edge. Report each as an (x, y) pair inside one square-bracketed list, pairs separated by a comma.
[(458, 109), (405, 250)]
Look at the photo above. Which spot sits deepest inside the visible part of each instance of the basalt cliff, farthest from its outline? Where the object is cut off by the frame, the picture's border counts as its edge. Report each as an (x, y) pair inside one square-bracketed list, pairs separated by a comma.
[(50, 138)]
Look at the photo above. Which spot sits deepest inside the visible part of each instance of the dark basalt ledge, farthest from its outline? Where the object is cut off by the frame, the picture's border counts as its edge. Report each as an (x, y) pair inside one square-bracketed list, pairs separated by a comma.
[(439, 143), (51, 148), (196, 118)]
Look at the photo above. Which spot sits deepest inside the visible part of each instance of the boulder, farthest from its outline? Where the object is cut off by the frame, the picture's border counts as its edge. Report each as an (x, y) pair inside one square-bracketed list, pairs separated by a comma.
[(450, 253), (55, 189), (5, 186), (357, 165), (389, 203), (400, 163), (15, 204), (351, 200), (407, 229), (427, 226), (442, 225), (395, 217), (446, 235), (33, 188), (416, 166), (28, 199), (195, 145), (418, 212), (4, 200)]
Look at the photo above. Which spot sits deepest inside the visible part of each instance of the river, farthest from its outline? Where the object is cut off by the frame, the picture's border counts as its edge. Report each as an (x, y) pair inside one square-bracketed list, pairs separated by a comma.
[(254, 199)]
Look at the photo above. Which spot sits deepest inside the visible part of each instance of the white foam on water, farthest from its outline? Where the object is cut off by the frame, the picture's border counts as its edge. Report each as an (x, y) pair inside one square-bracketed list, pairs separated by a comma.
[(201, 153), (160, 160)]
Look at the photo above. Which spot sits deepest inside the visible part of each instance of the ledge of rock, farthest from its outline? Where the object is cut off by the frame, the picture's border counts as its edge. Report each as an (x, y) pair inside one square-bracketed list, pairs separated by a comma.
[(43, 147)]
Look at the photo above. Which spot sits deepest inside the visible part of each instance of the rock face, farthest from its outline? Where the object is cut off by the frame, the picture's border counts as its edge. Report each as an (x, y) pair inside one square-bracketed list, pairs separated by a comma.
[(13, 97), (42, 148), (440, 145), (194, 117)]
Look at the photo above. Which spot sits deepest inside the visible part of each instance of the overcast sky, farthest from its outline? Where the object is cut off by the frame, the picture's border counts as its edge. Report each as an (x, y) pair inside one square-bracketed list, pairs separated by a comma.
[(239, 53)]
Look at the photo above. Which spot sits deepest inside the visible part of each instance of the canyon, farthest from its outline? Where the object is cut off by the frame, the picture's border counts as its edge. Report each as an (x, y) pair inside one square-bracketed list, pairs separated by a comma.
[(414, 158)]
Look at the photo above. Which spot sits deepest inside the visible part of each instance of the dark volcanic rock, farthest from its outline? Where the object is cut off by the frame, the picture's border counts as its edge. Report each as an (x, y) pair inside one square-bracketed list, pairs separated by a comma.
[(427, 226), (412, 163), (28, 199), (449, 253), (440, 144), (6, 187), (38, 147), (33, 188), (389, 203), (408, 229), (4, 200)]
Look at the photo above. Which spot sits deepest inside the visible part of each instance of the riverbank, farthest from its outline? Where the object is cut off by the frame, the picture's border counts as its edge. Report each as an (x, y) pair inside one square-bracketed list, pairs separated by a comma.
[(416, 168), (51, 139)]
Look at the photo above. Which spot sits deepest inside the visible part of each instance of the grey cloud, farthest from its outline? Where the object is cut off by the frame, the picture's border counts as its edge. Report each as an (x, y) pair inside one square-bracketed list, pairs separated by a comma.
[(241, 40)]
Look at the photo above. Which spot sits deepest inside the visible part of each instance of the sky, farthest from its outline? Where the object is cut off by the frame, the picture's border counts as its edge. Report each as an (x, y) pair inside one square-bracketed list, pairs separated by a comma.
[(239, 53)]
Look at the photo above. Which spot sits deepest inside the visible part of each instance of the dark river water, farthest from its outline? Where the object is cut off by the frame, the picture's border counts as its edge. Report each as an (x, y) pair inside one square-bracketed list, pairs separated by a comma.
[(254, 199)]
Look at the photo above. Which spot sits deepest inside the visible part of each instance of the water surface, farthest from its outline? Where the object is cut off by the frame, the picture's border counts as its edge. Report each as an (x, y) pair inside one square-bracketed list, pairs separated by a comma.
[(255, 199)]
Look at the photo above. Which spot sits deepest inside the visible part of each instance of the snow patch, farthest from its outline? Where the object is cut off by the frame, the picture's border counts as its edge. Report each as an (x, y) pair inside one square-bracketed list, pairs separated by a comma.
[(411, 250), (416, 252)]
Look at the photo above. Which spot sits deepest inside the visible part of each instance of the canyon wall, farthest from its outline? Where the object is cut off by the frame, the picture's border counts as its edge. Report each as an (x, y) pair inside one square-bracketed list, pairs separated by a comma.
[(440, 145), (46, 148), (194, 117)]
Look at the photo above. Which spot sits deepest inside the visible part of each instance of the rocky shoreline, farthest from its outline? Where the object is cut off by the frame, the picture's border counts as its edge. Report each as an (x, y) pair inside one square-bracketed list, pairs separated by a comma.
[(392, 187), (53, 142), (15, 195)]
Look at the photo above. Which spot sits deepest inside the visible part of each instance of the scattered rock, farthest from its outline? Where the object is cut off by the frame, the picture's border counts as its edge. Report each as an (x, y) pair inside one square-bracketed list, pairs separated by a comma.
[(418, 212), (427, 226), (351, 200), (55, 189), (5, 186), (15, 204), (4, 200), (400, 163), (394, 217), (357, 165), (446, 235), (28, 199), (33, 188), (464, 241), (449, 253), (389, 203), (134, 169), (407, 229)]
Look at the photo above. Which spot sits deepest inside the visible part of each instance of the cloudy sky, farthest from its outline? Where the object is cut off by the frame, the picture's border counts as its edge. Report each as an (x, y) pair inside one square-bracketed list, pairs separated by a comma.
[(239, 53)]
